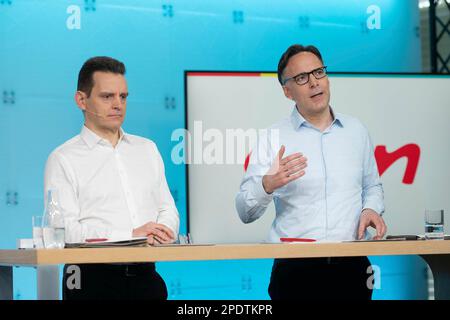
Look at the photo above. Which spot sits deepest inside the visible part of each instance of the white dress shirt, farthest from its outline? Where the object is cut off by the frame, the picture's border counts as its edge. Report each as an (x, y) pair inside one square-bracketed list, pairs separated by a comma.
[(106, 192), (340, 181)]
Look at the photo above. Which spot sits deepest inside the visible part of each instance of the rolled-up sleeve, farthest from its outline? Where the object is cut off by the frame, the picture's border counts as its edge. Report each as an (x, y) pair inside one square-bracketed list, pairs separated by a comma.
[(372, 189), (252, 200)]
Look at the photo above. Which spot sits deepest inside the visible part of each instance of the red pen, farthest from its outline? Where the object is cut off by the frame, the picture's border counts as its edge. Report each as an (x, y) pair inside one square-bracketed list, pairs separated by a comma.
[(297, 240), (96, 240)]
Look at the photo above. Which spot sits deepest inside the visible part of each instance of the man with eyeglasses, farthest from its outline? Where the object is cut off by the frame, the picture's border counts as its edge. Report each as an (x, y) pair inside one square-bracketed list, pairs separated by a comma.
[(323, 179)]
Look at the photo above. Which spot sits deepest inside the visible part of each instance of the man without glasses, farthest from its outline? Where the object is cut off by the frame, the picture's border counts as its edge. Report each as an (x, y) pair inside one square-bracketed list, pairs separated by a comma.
[(112, 185)]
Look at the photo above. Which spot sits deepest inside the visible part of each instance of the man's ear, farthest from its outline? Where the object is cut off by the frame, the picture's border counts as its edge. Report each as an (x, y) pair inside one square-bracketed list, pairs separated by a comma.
[(80, 99), (287, 93)]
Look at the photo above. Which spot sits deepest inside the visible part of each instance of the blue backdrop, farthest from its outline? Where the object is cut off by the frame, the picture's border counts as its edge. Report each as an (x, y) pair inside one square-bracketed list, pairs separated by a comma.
[(44, 43)]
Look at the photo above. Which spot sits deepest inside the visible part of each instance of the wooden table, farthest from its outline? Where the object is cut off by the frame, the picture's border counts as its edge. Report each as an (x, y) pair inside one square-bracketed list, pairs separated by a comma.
[(436, 253)]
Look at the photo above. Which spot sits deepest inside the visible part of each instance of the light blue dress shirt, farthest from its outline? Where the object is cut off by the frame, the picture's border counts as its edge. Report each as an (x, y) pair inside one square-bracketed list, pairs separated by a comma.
[(340, 181)]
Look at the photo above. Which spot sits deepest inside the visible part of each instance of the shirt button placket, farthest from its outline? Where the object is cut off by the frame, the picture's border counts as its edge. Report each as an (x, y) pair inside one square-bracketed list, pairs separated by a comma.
[(322, 137), (126, 188)]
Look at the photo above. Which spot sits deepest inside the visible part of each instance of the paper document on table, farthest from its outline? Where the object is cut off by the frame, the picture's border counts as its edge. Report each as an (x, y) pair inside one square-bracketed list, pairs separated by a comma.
[(183, 244), (390, 239), (106, 243), (306, 241)]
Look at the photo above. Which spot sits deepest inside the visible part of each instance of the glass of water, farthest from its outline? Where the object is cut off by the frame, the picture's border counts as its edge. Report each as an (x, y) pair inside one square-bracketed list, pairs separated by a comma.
[(185, 239), (36, 222), (434, 224)]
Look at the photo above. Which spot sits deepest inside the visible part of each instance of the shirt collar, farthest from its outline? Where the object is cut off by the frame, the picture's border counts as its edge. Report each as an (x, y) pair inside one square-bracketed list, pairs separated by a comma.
[(91, 138), (297, 119)]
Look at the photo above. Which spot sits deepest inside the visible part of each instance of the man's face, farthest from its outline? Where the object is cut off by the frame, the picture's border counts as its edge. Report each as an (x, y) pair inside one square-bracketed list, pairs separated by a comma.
[(312, 98), (106, 106)]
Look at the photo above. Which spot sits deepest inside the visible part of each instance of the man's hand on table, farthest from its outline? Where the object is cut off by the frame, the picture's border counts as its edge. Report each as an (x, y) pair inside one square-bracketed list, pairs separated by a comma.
[(369, 218), (155, 233)]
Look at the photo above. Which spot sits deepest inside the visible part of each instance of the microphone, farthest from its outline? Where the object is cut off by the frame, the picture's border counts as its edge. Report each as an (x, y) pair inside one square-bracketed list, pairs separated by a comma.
[(98, 114)]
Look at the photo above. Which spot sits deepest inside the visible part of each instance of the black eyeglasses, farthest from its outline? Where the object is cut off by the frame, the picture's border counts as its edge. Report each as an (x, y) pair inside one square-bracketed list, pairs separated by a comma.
[(303, 78)]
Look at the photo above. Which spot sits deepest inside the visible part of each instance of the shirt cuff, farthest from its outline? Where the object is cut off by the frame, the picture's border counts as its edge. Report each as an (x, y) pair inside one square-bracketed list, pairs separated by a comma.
[(377, 208), (169, 223), (260, 195)]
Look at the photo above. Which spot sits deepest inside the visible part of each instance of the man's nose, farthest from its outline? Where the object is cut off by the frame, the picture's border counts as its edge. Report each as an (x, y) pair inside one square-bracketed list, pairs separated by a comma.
[(117, 103), (313, 82)]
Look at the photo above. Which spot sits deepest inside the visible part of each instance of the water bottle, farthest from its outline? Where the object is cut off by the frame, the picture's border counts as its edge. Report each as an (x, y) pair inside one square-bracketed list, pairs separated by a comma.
[(53, 229)]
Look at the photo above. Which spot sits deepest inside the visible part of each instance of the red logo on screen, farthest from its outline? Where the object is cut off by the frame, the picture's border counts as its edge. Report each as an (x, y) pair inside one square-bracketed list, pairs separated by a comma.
[(385, 159)]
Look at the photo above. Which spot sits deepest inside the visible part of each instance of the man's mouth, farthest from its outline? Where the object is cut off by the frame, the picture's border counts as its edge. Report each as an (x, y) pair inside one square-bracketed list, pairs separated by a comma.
[(319, 94)]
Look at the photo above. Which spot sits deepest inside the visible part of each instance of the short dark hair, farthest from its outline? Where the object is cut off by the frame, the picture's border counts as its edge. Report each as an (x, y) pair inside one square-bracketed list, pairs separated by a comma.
[(292, 51), (104, 64)]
